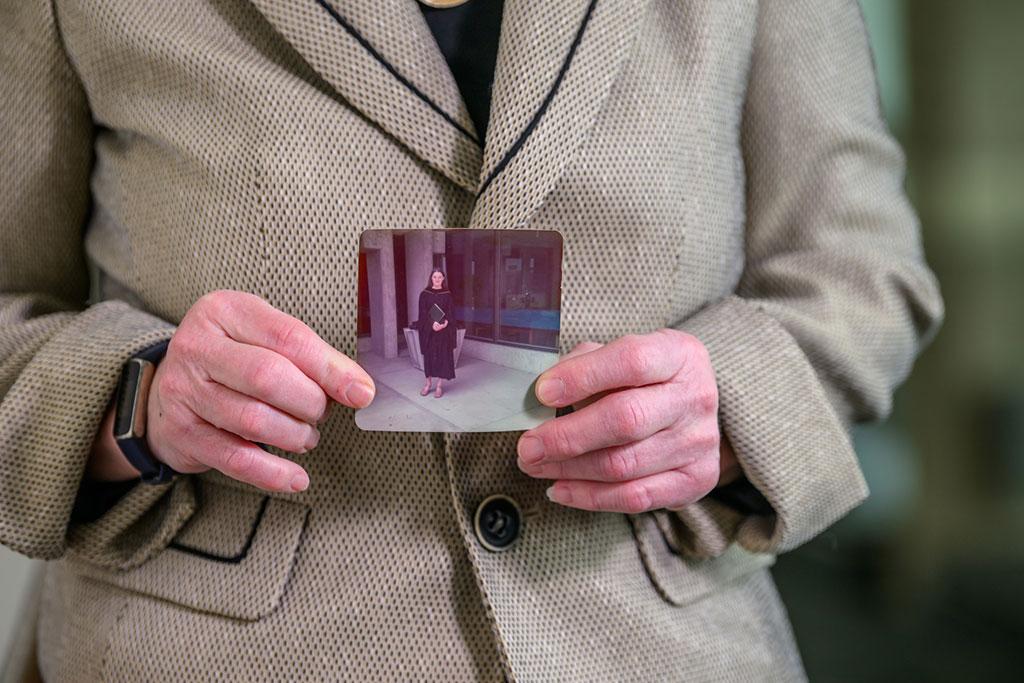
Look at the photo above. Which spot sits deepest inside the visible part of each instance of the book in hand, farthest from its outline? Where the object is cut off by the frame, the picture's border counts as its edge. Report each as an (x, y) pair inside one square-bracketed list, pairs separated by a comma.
[(436, 313)]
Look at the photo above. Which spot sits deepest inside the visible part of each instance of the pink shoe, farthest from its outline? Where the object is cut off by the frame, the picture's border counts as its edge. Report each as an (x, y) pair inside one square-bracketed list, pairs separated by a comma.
[(438, 392)]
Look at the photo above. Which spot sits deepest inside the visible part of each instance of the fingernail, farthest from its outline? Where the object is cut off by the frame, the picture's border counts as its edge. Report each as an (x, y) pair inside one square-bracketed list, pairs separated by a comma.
[(550, 389), (300, 481), (359, 394), (531, 450), (313, 440), (563, 496)]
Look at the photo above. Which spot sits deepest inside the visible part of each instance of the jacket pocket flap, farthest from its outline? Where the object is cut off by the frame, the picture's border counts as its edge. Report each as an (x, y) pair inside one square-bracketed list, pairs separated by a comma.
[(226, 525), (679, 579), (232, 558)]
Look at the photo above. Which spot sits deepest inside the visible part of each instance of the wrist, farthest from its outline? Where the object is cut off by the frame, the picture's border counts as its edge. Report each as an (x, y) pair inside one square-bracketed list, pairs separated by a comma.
[(106, 461), (729, 465), (131, 426)]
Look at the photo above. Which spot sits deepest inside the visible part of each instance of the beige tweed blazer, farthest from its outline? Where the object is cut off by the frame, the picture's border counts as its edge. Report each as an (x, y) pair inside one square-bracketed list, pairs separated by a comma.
[(723, 163)]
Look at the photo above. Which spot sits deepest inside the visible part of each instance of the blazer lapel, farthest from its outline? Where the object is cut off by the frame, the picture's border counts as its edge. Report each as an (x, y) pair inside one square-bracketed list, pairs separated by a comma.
[(383, 59), (556, 64)]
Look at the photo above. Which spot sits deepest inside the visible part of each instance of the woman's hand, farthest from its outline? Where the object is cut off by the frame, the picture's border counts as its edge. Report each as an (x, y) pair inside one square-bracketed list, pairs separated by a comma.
[(238, 371), (438, 326), (644, 433)]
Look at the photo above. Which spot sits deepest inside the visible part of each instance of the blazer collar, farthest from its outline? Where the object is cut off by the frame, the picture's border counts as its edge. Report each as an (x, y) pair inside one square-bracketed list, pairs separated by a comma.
[(556, 63)]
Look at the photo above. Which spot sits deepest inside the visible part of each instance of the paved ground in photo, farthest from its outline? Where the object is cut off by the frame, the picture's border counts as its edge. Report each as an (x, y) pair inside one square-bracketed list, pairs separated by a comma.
[(483, 397)]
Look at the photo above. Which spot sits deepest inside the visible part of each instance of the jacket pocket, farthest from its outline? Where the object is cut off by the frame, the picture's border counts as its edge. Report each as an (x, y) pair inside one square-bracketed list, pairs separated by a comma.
[(680, 579), (232, 558)]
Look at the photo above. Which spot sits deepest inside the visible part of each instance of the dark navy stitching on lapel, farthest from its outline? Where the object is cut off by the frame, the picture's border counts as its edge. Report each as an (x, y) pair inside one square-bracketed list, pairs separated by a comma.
[(514, 149), (394, 72), (225, 558)]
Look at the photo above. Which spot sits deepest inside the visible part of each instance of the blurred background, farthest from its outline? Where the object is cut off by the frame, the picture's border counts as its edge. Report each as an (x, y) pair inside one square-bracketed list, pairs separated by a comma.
[(925, 580)]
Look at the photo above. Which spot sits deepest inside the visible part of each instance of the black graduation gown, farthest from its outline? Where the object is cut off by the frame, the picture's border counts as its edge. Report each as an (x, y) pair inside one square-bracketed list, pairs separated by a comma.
[(438, 348)]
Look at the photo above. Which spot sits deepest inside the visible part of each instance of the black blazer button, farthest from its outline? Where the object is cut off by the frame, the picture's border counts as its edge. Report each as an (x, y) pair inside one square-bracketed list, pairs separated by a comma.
[(497, 522)]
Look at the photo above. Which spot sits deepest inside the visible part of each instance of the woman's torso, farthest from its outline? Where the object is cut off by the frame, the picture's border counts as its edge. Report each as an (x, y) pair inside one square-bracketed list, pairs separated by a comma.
[(225, 160)]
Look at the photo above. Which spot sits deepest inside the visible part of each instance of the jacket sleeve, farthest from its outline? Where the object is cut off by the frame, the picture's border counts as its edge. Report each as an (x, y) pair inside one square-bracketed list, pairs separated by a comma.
[(742, 495), (60, 358), (835, 300), (96, 497)]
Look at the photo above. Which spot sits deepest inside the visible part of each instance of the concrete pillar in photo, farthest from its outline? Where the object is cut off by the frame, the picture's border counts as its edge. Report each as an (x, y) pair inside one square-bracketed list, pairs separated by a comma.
[(419, 259), (380, 272), (439, 245)]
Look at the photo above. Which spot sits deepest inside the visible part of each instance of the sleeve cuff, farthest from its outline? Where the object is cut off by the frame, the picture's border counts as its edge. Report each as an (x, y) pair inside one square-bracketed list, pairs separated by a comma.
[(48, 422), (791, 444), (141, 523), (743, 496), (96, 497)]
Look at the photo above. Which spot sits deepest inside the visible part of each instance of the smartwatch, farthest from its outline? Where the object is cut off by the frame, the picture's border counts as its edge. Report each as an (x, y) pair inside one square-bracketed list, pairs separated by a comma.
[(130, 414)]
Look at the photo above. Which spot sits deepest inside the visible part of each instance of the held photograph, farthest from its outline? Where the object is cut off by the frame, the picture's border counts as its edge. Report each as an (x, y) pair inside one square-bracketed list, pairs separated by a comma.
[(455, 325)]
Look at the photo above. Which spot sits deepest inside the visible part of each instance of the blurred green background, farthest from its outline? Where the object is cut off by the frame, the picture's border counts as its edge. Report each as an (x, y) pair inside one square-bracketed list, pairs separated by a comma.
[(925, 580)]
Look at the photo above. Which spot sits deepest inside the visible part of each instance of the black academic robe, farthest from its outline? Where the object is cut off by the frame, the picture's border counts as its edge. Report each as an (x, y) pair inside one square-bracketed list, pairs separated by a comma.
[(438, 348)]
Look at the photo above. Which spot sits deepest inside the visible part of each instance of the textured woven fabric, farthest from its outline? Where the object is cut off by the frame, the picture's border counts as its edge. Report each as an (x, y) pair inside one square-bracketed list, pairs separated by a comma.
[(724, 165)]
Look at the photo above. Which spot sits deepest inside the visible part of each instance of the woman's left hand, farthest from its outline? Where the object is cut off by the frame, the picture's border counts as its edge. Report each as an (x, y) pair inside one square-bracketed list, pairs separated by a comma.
[(644, 433)]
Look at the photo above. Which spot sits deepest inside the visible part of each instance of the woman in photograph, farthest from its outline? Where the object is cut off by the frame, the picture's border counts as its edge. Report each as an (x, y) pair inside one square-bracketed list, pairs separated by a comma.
[(437, 339)]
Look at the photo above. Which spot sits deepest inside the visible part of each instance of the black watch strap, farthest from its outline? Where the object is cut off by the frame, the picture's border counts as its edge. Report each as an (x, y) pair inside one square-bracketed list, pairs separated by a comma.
[(152, 471), (135, 448)]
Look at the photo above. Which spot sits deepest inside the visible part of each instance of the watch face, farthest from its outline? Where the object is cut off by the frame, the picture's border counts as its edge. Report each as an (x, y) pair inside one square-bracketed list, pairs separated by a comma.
[(126, 393)]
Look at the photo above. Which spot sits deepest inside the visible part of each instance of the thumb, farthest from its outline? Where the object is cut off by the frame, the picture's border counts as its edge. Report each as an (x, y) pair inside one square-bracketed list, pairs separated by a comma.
[(581, 348), (578, 350)]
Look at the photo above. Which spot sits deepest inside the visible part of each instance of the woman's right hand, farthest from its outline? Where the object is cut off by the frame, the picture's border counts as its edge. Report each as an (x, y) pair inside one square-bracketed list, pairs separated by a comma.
[(239, 371)]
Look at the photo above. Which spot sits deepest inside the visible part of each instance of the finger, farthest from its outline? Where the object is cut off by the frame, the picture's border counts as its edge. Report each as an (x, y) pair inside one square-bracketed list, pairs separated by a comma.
[(629, 361), (579, 405), (249, 319), (620, 417), (581, 348), (578, 350), (251, 418), (665, 450), (267, 376), (244, 460), (670, 489)]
